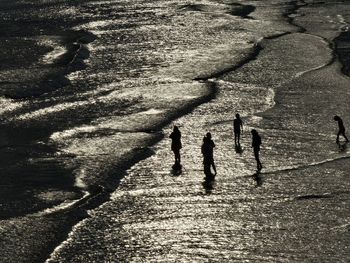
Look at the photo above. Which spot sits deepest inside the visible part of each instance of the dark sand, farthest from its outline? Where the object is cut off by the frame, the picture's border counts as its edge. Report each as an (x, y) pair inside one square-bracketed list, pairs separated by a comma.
[(25, 150)]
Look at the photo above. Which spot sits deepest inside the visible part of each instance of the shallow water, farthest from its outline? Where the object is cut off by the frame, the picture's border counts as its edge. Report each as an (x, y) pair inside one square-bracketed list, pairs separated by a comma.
[(98, 87), (132, 67), (295, 210)]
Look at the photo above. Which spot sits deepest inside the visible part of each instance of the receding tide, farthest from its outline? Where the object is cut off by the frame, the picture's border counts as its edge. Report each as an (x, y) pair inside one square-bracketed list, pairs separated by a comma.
[(90, 92)]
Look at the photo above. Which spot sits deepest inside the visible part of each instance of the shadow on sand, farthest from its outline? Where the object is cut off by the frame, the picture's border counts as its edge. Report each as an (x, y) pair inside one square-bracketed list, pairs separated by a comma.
[(209, 182), (343, 146)]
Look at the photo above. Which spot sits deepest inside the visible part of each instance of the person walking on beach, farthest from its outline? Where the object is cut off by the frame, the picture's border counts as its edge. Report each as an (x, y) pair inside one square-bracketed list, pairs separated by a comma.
[(341, 128), (176, 145), (256, 142), (237, 128), (208, 156)]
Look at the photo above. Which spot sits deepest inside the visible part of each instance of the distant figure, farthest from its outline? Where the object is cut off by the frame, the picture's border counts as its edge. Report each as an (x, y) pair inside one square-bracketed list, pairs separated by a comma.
[(176, 145), (341, 128), (256, 142), (208, 156), (237, 128)]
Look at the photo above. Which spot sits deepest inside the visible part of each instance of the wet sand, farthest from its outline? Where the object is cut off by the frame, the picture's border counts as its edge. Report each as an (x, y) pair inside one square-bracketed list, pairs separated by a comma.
[(295, 210), (157, 216), (37, 176)]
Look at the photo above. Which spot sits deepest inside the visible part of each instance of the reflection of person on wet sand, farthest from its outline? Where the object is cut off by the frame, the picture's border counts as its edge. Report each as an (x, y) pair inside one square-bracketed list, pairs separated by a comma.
[(237, 128), (208, 155), (341, 128), (258, 179), (176, 145), (256, 142)]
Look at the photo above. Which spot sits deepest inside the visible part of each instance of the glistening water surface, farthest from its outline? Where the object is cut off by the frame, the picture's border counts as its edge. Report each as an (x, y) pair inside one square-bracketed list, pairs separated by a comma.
[(106, 76)]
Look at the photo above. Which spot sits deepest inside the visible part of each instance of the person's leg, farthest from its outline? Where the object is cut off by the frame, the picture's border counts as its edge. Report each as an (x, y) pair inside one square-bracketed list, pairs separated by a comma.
[(177, 156), (207, 171), (256, 155), (214, 167), (238, 138), (235, 138), (346, 138), (259, 165), (337, 140)]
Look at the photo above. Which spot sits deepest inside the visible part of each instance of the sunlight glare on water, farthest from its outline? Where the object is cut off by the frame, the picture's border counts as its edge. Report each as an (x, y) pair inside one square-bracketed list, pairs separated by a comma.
[(89, 130), (156, 215)]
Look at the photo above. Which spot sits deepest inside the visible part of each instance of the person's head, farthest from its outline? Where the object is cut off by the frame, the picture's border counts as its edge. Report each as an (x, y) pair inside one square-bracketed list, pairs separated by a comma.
[(336, 118), (176, 129), (208, 135), (254, 132), (237, 116)]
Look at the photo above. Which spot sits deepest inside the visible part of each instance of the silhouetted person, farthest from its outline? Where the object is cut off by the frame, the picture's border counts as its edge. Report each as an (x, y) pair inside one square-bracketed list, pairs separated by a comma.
[(256, 142), (208, 155), (206, 163), (341, 128), (176, 145), (237, 128)]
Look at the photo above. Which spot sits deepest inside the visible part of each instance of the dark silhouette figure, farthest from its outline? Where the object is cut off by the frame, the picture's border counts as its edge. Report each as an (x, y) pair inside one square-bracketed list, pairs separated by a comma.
[(256, 142), (341, 128), (208, 156), (176, 145), (237, 128)]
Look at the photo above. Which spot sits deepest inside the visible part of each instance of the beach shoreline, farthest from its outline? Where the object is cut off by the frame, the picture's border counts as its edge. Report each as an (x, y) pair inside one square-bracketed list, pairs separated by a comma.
[(67, 61), (146, 185), (65, 219), (133, 186)]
